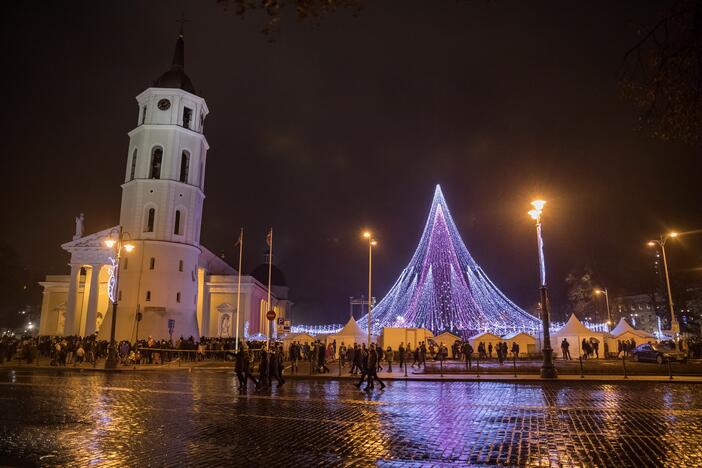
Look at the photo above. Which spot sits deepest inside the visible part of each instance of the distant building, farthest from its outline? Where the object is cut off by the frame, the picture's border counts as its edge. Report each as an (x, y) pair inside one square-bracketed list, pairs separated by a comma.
[(641, 310)]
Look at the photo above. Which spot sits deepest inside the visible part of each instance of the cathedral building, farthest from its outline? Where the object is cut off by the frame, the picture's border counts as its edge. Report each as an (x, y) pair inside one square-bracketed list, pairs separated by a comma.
[(169, 284)]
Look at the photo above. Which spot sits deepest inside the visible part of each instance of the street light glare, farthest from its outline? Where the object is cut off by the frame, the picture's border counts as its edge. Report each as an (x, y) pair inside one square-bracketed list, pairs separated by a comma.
[(650, 243), (374, 242), (367, 234), (129, 247), (673, 234), (110, 243), (534, 214), (598, 291), (538, 204)]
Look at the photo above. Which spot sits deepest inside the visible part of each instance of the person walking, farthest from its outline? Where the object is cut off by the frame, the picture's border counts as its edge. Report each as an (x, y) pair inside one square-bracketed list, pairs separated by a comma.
[(416, 358), (565, 349), (515, 349), (276, 366), (372, 369), (239, 368), (388, 358), (401, 351), (321, 363), (362, 365), (355, 359), (468, 353), (342, 355), (263, 368)]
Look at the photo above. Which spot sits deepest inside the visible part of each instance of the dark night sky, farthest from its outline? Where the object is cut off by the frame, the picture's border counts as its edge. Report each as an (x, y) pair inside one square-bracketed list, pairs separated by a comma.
[(351, 123)]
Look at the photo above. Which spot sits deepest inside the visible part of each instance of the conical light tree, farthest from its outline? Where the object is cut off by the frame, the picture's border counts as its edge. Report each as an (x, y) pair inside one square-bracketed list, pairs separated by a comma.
[(443, 288)]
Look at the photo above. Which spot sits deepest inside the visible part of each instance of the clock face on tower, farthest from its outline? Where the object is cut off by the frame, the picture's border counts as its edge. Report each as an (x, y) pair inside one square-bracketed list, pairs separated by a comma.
[(164, 104)]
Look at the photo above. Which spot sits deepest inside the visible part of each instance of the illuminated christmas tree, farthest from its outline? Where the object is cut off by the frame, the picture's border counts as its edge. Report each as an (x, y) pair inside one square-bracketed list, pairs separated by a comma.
[(443, 288)]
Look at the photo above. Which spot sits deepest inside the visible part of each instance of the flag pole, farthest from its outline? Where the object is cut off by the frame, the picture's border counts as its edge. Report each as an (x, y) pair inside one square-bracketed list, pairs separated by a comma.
[(238, 287), (270, 266)]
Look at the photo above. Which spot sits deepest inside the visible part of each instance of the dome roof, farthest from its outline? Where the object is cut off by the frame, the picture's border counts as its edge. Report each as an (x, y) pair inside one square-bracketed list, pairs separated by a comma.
[(176, 77), (260, 273)]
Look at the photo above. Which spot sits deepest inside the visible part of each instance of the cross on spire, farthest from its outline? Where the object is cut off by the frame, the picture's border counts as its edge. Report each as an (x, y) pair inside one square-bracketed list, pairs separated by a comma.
[(182, 22)]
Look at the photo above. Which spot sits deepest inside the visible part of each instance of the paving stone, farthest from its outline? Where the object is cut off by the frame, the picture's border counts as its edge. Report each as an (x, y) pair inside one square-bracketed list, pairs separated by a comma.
[(201, 419)]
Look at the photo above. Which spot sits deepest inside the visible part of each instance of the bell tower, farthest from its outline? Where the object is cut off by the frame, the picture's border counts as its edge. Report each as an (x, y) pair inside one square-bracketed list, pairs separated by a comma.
[(162, 199)]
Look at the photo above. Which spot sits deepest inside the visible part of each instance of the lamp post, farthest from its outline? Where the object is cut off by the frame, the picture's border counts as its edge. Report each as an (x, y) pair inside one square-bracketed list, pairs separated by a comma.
[(118, 239), (548, 369), (674, 326), (371, 242), (604, 293)]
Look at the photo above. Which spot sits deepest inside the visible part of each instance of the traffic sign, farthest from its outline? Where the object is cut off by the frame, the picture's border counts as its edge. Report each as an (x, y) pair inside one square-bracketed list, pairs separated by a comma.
[(270, 315)]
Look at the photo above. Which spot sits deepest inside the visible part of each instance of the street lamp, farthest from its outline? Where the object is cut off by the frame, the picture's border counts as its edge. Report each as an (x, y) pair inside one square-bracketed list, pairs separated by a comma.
[(674, 326), (548, 369), (118, 240), (604, 293), (371, 242)]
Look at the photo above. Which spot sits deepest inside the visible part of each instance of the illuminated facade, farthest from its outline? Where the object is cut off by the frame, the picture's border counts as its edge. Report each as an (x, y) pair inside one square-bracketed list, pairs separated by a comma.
[(170, 283), (444, 289)]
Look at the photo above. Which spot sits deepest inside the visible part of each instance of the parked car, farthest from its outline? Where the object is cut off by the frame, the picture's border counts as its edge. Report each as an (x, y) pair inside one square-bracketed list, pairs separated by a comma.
[(658, 352)]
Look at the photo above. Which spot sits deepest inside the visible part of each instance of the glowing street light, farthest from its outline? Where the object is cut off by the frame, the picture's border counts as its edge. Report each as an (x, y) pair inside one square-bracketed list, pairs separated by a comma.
[(548, 369), (371, 243), (674, 326), (603, 292), (119, 240)]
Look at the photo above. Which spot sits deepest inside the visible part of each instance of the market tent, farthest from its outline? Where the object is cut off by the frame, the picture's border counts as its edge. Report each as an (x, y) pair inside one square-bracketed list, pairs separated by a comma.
[(624, 327), (526, 342), (574, 332), (350, 334), (487, 338), (447, 338)]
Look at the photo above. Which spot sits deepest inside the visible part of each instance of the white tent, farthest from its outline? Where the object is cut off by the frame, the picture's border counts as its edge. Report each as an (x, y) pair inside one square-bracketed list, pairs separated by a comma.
[(623, 328), (300, 338), (350, 334), (526, 342), (574, 331)]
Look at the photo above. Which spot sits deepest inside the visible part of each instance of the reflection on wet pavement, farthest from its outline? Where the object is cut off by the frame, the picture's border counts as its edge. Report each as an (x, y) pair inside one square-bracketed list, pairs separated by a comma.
[(177, 418)]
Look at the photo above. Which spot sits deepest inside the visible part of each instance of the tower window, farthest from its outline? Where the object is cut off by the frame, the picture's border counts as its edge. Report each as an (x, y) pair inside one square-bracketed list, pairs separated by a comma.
[(156, 160), (187, 117), (125, 262), (119, 295), (143, 115), (148, 296), (180, 265), (176, 227), (178, 297), (202, 121), (132, 171), (150, 219), (152, 263), (184, 166)]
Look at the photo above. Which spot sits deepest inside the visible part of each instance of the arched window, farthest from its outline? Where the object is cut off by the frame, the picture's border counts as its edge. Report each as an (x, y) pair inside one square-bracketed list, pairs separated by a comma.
[(177, 297), (148, 295), (202, 175), (150, 219), (184, 166), (180, 265), (176, 226), (156, 160), (152, 263), (132, 171)]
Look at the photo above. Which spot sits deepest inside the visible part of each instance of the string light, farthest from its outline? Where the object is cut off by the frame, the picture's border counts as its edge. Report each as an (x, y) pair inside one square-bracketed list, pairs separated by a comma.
[(444, 289)]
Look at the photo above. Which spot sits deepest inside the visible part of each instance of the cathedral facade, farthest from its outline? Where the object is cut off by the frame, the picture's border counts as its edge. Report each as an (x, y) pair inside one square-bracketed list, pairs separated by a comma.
[(168, 284)]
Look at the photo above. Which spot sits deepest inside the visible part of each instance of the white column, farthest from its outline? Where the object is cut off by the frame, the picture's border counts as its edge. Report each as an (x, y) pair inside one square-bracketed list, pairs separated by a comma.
[(72, 302), (94, 293)]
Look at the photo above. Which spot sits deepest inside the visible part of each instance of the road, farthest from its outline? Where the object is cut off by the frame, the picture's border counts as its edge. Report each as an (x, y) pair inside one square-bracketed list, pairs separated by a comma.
[(200, 419)]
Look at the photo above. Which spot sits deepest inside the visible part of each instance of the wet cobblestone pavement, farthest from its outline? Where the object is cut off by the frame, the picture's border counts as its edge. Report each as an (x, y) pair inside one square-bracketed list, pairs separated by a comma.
[(200, 419)]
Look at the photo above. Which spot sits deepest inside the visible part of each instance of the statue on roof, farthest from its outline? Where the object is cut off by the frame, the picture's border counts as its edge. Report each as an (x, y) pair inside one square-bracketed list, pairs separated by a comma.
[(80, 226)]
